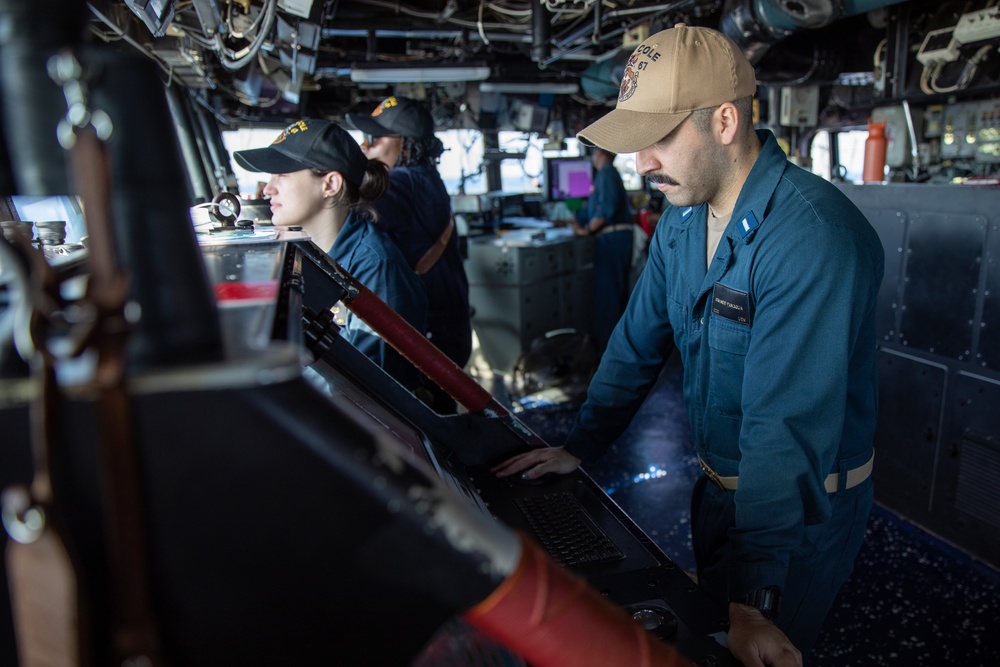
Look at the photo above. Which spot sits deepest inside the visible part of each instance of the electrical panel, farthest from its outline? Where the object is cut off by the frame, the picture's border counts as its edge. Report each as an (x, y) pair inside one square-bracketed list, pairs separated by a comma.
[(958, 136), (898, 142), (988, 132), (972, 130), (934, 121), (799, 106)]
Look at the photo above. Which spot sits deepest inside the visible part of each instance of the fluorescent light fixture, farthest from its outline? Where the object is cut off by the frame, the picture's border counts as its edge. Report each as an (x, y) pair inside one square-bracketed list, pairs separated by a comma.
[(530, 87), (367, 73)]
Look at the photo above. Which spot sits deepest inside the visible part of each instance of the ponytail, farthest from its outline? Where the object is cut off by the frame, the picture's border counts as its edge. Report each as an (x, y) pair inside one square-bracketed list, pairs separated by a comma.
[(375, 182), (415, 152), (373, 185)]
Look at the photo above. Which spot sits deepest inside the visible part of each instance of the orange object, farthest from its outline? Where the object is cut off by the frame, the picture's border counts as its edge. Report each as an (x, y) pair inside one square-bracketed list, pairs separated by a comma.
[(551, 618), (875, 144)]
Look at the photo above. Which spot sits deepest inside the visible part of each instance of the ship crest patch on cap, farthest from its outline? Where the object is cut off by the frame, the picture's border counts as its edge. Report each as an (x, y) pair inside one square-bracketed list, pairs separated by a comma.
[(387, 103), (294, 128), (638, 61), (630, 80)]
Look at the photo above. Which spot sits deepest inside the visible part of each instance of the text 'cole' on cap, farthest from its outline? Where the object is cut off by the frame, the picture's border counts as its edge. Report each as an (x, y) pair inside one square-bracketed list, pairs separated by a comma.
[(669, 75), (309, 144), (395, 115)]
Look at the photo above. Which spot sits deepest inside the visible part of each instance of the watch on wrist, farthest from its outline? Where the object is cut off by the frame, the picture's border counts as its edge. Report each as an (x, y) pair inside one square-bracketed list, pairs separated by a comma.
[(766, 600)]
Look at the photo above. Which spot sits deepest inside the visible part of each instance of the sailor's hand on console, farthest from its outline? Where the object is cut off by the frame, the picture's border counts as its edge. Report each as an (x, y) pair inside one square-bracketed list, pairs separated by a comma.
[(538, 462), (756, 641)]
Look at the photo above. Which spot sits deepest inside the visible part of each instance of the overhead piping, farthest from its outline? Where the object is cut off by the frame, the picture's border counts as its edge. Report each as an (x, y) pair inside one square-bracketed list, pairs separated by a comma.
[(756, 25), (541, 32), (596, 37)]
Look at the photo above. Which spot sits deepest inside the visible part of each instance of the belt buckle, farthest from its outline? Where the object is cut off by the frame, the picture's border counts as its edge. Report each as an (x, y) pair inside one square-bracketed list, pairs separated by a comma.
[(713, 476)]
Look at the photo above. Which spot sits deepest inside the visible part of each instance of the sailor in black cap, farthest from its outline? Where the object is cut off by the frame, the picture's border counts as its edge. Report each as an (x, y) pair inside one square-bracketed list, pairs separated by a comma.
[(416, 213), (322, 182)]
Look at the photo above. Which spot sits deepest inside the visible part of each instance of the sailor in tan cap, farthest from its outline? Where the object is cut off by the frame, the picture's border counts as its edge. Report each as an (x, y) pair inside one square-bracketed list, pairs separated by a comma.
[(764, 278)]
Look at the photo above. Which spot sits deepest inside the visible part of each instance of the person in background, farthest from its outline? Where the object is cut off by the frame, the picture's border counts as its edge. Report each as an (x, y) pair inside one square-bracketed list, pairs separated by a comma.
[(322, 182), (607, 217), (764, 278), (416, 213)]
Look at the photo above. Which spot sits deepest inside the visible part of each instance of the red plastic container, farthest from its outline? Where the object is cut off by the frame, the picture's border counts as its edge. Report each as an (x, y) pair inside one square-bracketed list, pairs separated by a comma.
[(874, 170)]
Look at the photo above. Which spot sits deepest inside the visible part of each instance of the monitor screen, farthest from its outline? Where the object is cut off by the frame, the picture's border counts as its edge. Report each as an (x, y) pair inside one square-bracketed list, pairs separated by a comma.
[(568, 177)]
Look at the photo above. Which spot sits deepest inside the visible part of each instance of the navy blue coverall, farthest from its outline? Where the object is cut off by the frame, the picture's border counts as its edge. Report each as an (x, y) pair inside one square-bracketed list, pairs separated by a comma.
[(369, 256), (414, 213), (778, 345)]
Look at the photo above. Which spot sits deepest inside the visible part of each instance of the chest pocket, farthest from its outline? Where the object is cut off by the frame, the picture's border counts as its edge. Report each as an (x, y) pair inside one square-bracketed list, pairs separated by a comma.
[(728, 343)]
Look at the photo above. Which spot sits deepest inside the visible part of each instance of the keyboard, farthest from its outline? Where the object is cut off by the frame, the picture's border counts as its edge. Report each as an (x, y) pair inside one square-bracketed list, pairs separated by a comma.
[(565, 531)]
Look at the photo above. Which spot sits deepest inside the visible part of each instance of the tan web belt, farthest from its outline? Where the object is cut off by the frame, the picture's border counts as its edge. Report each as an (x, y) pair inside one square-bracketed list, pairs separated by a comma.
[(854, 477), (434, 253), (614, 228)]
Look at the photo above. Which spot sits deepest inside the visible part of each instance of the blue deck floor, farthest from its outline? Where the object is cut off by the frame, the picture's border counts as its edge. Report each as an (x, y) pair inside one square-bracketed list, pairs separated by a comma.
[(912, 599)]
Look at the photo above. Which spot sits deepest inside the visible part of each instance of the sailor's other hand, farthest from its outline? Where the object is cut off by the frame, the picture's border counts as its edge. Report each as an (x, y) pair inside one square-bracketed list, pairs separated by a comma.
[(538, 462), (755, 641)]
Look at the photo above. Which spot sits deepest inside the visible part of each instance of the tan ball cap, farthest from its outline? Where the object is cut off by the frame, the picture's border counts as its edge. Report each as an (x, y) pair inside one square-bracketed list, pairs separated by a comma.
[(667, 77)]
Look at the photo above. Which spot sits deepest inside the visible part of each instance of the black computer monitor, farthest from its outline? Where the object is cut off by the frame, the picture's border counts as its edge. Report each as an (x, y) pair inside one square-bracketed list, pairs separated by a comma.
[(568, 178)]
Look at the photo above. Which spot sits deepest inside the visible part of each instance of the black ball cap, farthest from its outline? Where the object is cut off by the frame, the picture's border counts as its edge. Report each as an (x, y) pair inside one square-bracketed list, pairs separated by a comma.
[(395, 115), (309, 144)]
